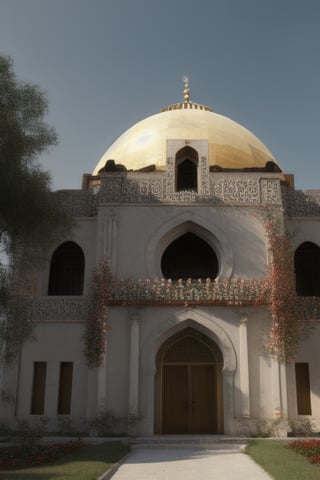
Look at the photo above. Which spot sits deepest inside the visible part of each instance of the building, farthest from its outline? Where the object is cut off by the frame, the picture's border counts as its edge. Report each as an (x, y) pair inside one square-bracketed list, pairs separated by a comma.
[(181, 194)]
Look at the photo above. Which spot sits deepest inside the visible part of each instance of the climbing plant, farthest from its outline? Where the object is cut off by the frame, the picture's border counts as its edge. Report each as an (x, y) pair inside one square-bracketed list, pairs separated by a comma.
[(15, 328), (291, 315), (97, 320)]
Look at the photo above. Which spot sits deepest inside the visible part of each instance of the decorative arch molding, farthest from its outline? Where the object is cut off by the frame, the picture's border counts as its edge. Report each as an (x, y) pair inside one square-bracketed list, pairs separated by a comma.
[(200, 321), (82, 245), (196, 224), (310, 237), (186, 152)]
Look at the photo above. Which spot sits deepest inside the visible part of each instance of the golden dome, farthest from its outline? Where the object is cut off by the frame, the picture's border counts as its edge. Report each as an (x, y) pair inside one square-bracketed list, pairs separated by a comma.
[(231, 146)]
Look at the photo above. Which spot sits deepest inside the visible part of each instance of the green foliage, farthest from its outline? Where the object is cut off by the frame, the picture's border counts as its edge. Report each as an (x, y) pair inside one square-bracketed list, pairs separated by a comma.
[(4, 286), (301, 427), (86, 463), (310, 448), (31, 216), (280, 462), (26, 436), (65, 425), (15, 330), (5, 431), (265, 428), (94, 337), (12, 458), (103, 424)]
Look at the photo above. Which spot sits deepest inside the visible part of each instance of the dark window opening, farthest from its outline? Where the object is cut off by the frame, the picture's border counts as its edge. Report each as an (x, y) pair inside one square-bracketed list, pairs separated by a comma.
[(187, 169), (65, 388), (187, 176), (38, 388), (303, 388), (189, 257), (66, 270), (307, 269)]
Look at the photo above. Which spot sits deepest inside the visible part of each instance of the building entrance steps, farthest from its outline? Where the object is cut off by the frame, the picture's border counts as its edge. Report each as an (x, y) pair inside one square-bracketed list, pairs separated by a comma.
[(214, 441), (187, 458)]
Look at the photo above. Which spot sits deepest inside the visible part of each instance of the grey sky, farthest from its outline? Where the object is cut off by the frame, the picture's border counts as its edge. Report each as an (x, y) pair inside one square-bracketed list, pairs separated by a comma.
[(106, 64)]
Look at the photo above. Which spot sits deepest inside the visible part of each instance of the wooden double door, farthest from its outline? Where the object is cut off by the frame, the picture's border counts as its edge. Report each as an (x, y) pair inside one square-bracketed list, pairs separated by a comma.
[(189, 385), (189, 399)]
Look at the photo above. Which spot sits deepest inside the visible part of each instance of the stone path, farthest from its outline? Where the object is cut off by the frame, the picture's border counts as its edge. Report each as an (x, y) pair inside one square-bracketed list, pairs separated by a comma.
[(221, 462)]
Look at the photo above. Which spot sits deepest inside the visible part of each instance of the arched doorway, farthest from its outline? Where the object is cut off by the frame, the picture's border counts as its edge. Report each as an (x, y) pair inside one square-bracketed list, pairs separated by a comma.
[(188, 385)]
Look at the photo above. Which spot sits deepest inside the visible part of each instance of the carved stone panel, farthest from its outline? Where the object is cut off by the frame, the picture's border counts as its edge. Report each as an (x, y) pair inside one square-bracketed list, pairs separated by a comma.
[(170, 177), (215, 188), (270, 190), (233, 189), (204, 176)]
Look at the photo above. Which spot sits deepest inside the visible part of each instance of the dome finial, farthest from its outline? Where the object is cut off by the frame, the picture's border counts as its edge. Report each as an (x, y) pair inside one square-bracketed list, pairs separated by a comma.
[(186, 91)]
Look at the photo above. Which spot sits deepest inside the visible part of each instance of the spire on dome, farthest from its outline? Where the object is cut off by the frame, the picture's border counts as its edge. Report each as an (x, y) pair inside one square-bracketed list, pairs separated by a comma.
[(186, 104), (186, 91)]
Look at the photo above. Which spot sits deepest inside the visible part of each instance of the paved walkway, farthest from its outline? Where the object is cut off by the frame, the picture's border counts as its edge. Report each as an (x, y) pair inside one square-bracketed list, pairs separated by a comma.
[(227, 462)]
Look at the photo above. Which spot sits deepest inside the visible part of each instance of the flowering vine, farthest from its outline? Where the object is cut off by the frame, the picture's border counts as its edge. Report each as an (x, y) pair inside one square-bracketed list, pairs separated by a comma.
[(291, 314), (97, 321), (232, 292), (105, 291)]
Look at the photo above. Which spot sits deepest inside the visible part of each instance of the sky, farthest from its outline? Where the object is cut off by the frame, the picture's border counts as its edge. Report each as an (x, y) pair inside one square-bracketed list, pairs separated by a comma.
[(107, 64)]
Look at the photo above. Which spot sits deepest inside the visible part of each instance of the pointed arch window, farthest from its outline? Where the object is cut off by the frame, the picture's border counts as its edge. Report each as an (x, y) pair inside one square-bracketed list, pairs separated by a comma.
[(66, 270), (187, 169), (307, 269), (189, 256)]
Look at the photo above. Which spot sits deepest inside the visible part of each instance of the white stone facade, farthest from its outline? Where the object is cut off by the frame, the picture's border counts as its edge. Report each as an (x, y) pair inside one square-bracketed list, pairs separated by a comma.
[(131, 218)]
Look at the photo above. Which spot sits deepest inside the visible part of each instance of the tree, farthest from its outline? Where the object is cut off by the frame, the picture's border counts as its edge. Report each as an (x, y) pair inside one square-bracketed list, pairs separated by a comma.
[(30, 215)]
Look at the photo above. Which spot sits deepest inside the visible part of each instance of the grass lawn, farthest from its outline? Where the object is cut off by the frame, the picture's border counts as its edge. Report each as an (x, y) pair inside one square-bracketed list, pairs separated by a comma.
[(281, 462), (87, 463)]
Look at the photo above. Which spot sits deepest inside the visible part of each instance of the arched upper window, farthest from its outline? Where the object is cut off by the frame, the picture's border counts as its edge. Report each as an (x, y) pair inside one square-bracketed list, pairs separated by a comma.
[(307, 269), (66, 270), (187, 169), (189, 257)]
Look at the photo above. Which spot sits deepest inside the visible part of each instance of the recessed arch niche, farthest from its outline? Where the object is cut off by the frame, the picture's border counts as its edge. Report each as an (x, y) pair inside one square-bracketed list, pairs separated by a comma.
[(66, 275), (188, 221), (187, 161), (307, 269), (189, 256)]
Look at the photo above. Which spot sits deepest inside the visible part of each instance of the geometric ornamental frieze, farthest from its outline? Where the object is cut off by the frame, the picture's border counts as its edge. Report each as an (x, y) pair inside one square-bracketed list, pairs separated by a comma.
[(216, 188), (132, 189), (233, 189)]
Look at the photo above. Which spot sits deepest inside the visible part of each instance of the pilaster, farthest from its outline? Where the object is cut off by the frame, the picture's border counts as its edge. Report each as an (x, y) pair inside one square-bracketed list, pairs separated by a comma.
[(244, 368)]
